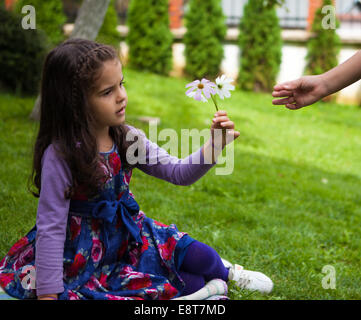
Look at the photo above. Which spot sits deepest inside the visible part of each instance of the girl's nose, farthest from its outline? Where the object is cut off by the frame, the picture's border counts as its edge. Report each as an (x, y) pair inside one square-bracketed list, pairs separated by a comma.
[(120, 94)]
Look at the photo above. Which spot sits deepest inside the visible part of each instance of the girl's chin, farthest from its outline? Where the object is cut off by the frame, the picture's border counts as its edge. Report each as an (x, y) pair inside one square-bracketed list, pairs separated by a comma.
[(121, 119)]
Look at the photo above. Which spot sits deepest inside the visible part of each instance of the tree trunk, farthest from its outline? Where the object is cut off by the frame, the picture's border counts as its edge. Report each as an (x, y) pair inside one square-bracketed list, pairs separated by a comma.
[(90, 19), (87, 25)]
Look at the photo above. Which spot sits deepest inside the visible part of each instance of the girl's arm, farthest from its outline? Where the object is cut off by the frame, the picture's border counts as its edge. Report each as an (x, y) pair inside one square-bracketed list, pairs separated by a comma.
[(160, 164), (184, 172), (51, 221)]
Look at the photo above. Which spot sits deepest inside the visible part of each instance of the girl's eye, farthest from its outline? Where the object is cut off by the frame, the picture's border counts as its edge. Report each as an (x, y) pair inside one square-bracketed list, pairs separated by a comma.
[(122, 83), (106, 93)]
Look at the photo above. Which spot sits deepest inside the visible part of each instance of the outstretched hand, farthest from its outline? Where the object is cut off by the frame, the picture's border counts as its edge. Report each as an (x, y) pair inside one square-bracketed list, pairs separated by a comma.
[(300, 93)]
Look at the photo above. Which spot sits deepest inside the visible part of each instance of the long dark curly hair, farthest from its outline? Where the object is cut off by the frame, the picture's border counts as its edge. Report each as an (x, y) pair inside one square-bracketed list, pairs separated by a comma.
[(65, 118)]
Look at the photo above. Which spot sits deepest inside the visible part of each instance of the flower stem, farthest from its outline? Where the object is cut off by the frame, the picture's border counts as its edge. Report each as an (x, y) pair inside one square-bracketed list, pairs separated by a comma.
[(214, 101)]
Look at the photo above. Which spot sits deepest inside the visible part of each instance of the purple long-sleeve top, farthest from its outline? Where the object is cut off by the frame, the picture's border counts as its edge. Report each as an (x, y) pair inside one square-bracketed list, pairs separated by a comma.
[(53, 208)]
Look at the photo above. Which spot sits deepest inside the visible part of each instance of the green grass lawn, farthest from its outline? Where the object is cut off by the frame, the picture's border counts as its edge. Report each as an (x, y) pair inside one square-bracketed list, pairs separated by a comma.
[(291, 206)]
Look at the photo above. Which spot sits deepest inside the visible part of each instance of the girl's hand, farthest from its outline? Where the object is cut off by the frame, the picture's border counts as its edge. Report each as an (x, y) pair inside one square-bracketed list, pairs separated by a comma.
[(221, 121)]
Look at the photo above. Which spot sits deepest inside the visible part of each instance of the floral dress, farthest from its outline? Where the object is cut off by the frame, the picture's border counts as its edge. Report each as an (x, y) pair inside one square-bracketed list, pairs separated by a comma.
[(112, 250)]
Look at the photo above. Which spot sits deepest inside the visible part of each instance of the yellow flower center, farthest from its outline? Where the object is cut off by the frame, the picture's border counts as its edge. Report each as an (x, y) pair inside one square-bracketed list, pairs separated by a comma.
[(200, 86)]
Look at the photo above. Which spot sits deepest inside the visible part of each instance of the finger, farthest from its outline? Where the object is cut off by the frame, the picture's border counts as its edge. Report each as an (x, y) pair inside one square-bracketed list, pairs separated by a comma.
[(220, 113), (236, 134), (220, 119), (284, 101), (292, 106), (232, 134), (289, 85), (227, 124), (280, 86), (282, 93)]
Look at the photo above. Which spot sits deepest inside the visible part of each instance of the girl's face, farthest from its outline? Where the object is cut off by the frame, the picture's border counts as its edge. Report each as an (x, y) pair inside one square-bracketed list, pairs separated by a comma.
[(108, 99)]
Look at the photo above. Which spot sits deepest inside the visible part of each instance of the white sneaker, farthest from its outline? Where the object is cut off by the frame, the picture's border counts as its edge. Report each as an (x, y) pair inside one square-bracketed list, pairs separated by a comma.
[(226, 263), (246, 279)]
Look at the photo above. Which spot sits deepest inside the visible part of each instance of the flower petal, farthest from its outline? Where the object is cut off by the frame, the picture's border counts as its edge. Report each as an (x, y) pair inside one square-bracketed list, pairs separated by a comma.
[(228, 80), (189, 91), (198, 95), (227, 94), (213, 90), (207, 91), (220, 93), (213, 85), (228, 87), (193, 84)]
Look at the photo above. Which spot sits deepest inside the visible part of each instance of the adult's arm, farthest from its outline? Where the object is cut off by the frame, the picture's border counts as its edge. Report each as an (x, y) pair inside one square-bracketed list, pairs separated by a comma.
[(344, 74)]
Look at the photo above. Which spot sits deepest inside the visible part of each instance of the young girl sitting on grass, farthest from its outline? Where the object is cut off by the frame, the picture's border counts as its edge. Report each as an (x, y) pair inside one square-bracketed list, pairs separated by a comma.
[(90, 240)]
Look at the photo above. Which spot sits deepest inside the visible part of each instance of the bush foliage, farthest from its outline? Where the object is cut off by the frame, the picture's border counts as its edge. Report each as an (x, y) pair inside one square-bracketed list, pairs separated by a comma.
[(21, 54), (261, 47), (50, 17), (206, 30), (324, 45), (149, 37)]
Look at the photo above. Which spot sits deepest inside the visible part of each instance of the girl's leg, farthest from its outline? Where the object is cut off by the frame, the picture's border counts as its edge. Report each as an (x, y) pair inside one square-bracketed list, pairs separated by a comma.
[(193, 282), (202, 260)]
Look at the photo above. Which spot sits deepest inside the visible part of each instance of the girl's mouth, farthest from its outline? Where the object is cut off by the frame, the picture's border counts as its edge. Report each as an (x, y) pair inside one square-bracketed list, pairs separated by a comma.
[(121, 112)]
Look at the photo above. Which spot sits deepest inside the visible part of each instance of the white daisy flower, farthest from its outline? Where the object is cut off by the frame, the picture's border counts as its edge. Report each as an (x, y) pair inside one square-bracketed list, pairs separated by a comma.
[(224, 86)]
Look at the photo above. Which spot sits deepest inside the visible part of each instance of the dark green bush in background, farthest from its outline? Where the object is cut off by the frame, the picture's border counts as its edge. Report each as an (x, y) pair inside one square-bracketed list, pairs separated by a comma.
[(22, 54), (324, 45), (50, 17), (206, 30), (149, 38), (261, 46)]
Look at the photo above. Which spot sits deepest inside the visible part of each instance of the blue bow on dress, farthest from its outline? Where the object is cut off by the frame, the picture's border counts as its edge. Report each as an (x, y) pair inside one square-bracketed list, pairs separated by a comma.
[(107, 211), (128, 207)]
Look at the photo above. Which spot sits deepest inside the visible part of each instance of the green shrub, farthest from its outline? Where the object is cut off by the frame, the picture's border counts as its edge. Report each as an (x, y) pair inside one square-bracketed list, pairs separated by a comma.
[(108, 33), (149, 38), (50, 17), (323, 47), (261, 47), (206, 30), (21, 54)]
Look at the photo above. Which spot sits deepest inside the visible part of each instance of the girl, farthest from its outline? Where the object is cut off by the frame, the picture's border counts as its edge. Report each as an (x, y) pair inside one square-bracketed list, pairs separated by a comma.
[(90, 240)]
